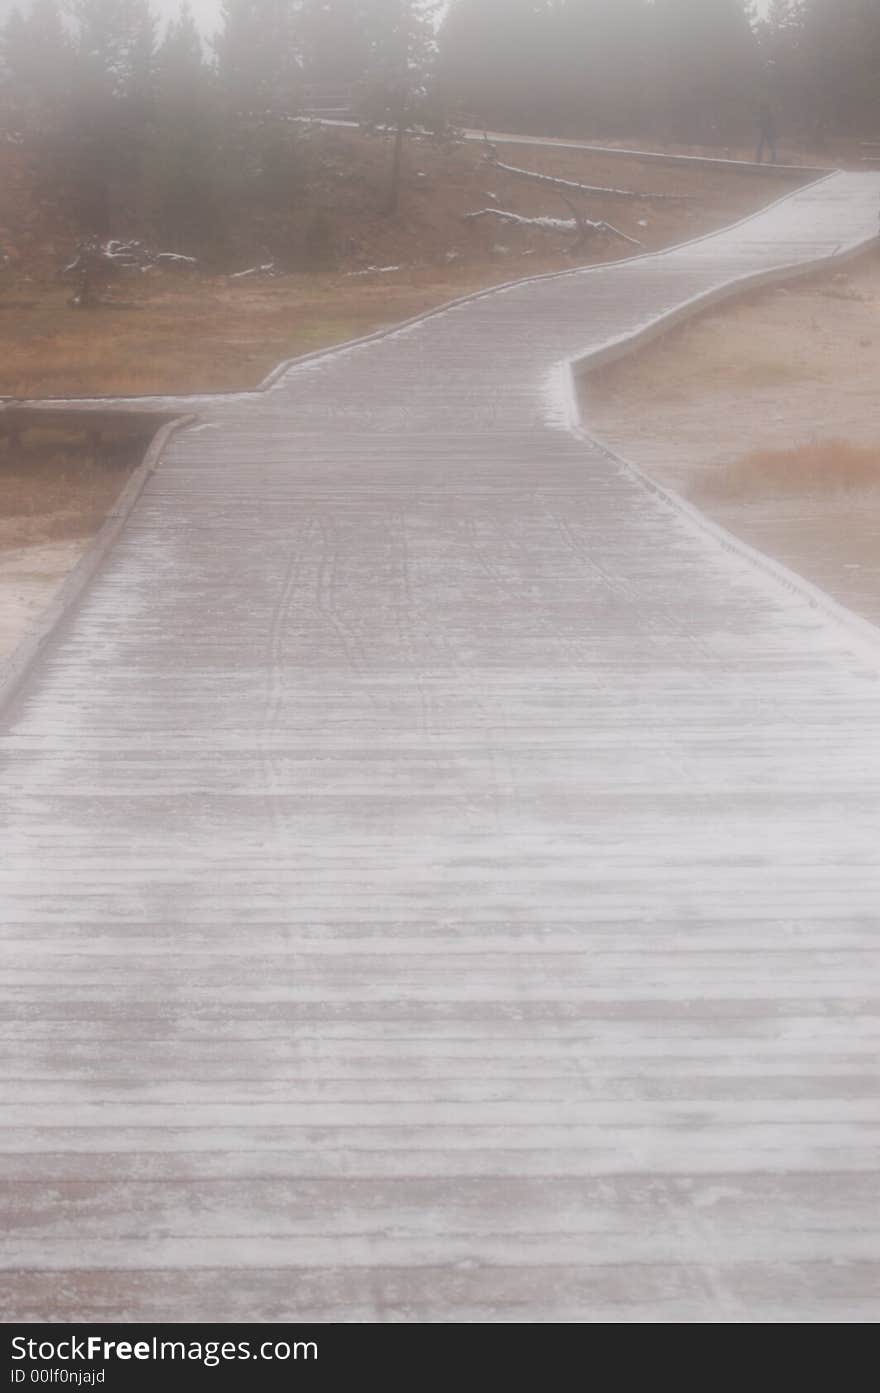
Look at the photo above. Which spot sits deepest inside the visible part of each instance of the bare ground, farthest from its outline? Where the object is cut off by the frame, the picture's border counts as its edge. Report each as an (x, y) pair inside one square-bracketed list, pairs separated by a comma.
[(765, 415)]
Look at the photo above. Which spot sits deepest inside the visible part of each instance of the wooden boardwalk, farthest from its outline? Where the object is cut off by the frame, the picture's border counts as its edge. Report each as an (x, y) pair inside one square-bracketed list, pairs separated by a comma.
[(440, 879)]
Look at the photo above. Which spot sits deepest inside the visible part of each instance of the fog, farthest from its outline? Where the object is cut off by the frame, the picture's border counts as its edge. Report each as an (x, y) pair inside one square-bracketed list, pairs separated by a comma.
[(207, 12), (439, 658)]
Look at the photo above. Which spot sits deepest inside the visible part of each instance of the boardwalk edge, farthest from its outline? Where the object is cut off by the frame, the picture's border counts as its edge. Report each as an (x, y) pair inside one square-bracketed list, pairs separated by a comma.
[(864, 635), (16, 666)]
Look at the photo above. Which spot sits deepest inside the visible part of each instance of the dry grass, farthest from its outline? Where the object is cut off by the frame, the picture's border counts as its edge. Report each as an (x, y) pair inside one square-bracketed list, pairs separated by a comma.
[(53, 488), (207, 333), (818, 467)]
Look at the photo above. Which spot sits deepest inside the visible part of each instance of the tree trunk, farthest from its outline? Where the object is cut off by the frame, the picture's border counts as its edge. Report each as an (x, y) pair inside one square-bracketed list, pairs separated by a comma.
[(569, 184), (393, 201)]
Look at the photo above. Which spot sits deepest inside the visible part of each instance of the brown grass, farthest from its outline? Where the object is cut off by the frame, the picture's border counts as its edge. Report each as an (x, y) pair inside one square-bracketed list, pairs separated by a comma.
[(820, 466), (205, 332), (54, 488), (206, 335)]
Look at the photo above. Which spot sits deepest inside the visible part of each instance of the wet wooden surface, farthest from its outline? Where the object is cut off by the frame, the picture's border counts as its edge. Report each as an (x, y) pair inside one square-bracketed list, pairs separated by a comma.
[(439, 881)]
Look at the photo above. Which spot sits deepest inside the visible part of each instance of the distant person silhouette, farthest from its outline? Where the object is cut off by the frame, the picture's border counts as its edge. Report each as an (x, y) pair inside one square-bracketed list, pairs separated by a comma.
[(766, 133)]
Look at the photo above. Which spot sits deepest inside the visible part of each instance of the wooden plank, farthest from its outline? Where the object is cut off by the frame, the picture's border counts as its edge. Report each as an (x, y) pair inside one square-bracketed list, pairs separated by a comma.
[(440, 875)]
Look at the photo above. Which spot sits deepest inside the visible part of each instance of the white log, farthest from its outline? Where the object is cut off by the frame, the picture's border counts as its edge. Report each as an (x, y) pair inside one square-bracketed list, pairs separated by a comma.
[(579, 225), (573, 187)]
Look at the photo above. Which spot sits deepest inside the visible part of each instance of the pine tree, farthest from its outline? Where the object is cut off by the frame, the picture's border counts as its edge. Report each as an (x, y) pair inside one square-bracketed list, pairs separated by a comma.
[(259, 80), (36, 55), (708, 73), (258, 56), (399, 45), (114, 43), (497, 62), (113, 52), (842, 52), (182, 165), (600, 64), (334, 41), (784, 75)]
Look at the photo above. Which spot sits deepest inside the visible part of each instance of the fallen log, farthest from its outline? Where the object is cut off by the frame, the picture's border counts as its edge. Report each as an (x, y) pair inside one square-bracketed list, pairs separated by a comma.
[(95, 263), (585, 227), (571, 186)]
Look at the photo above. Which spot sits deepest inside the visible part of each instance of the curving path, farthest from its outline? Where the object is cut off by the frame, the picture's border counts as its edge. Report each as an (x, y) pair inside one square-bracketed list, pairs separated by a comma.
[(440, 877), (772, 171)]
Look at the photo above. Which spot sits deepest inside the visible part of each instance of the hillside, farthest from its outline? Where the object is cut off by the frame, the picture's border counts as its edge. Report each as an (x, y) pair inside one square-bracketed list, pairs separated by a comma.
[(209, 330)]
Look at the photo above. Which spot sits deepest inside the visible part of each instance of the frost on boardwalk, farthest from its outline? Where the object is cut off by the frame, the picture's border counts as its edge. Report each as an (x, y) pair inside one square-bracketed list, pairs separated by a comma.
[(439, 877)]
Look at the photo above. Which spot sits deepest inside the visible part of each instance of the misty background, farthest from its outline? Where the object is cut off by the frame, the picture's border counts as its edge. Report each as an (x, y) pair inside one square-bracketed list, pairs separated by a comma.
[(206, 12), (130, 124)]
